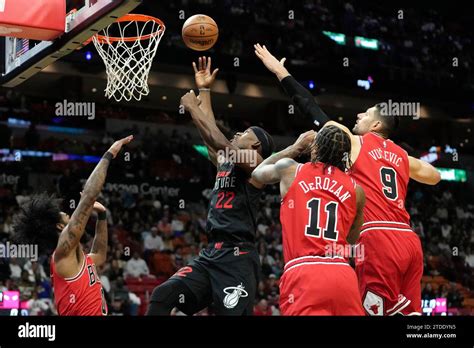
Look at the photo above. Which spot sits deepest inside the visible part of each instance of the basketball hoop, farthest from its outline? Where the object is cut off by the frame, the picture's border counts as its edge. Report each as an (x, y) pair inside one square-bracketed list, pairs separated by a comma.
[(128, 47)]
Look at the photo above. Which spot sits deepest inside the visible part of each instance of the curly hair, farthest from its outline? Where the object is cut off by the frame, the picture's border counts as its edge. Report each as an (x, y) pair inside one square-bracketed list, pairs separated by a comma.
[(333, 148), (36, 222)]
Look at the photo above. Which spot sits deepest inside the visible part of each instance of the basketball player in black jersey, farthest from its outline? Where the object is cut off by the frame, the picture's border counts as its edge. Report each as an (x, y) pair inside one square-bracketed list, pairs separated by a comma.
[(225, 275)]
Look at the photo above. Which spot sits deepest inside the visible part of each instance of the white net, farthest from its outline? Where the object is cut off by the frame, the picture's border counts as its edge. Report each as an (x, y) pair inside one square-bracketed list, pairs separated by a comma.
[(128, 49)]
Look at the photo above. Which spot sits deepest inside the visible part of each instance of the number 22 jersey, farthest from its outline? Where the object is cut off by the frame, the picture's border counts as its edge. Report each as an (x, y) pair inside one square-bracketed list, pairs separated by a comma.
[(233, 206)]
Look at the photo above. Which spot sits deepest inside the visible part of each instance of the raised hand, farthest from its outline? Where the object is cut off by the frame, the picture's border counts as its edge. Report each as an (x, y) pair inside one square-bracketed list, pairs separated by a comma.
[(189, 100), (271, 63), (117, 146), (304, 142), (202, 73)]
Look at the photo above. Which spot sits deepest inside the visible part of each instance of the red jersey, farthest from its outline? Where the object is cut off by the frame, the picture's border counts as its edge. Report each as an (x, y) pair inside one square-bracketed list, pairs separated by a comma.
[(317, 212), (383, 171), (81, 295)]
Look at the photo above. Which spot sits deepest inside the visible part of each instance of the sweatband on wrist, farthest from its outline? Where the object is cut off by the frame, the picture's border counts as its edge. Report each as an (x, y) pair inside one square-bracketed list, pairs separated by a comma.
[(108, 155), (102, 215)]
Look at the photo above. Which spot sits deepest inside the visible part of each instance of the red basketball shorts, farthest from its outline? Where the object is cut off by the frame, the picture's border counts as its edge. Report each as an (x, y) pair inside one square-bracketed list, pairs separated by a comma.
[(314, 285), (390, 270)]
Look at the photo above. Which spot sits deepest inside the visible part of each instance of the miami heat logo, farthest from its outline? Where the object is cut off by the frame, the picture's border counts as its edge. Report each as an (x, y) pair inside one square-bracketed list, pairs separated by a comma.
[(234, 293)]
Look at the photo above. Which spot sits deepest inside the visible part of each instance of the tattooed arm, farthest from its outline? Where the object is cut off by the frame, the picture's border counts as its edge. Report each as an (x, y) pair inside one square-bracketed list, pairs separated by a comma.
[(98, 251), (72, 233)]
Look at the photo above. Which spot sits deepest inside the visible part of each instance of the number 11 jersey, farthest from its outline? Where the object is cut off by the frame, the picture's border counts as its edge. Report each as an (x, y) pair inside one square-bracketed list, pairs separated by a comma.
[(317, 212)]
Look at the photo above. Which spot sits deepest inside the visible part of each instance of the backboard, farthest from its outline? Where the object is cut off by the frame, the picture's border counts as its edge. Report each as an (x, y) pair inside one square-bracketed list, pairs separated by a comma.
[(21, 59)]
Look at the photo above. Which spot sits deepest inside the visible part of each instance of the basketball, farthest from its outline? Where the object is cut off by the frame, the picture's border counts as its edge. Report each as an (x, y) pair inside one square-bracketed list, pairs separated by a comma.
[(200, 32)]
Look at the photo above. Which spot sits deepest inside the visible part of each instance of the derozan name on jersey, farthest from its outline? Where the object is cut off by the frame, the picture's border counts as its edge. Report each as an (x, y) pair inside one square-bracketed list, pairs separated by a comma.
[(326, 184)]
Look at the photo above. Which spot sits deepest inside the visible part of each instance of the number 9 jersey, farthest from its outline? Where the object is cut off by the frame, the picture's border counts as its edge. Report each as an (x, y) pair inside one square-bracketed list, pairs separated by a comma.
[(390, 273), (383, 171)]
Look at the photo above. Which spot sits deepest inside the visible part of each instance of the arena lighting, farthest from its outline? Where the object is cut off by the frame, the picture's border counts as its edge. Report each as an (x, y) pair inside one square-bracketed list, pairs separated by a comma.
[(57, 129), (366, 84), (202, 150), (338, 38), (451, 174), (435, 306), (363, 42), (54, 156), (311, 85), (88, 55), (19, 123), (430, 157)]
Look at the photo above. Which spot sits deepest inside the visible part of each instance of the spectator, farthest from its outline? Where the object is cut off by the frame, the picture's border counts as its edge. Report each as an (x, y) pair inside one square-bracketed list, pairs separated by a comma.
[(15, 269), (165, 227), (177, 226), (35, 271), (115, 271), (427, 293), (262, 308), (136, 267), (26, 287), (470, 257), (37, 306), (153, 242)]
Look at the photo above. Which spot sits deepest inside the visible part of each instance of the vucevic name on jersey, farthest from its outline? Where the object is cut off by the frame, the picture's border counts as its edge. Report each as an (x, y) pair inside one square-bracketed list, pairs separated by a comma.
[(382, 169), (233, 206)]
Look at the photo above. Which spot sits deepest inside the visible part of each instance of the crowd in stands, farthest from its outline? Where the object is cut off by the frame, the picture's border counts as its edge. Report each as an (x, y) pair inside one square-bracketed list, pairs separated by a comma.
[(411, 36), (151, 236)]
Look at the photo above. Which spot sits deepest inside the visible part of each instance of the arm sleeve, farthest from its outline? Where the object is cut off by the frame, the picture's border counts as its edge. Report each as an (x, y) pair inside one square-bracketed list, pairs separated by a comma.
[(304, 101)]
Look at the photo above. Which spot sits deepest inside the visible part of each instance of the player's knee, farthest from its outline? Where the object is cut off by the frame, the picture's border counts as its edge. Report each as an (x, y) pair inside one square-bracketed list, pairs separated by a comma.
[(162, 300), (163, 293)]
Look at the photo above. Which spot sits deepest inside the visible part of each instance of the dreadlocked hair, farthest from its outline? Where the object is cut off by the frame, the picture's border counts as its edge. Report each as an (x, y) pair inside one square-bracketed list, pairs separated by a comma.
[(36, 222), (333, 148)]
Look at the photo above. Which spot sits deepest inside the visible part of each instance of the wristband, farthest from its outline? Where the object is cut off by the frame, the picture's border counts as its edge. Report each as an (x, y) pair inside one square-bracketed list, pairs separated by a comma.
[(108, 156), (204, 89), (102, 215)]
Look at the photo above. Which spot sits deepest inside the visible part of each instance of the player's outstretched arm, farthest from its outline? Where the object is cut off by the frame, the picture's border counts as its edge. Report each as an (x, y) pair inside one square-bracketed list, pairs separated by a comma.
[(98, 251), (423, 172), (282, 166), (300, 96), (212, 135), (354, 232), (204, 78), (72, 233)]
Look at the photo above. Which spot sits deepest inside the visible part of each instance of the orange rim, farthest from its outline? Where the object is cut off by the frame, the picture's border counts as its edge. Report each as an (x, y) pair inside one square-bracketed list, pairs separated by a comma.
[(131, 18)]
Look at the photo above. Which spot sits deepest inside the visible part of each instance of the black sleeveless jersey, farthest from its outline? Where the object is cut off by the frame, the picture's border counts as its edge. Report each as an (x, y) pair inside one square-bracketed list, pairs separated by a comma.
[(233, 206)]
